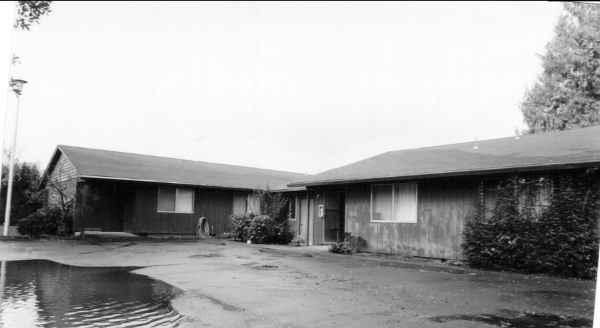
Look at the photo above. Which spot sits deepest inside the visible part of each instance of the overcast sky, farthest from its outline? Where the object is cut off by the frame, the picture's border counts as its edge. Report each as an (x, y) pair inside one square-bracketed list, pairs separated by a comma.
[(292, 86)]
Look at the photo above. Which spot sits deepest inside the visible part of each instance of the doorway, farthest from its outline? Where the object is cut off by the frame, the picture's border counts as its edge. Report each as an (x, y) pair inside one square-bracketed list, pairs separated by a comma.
[(334, 204)]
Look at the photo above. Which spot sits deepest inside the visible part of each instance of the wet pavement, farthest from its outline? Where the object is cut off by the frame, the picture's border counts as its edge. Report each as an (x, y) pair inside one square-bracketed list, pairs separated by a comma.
[(230, 284), (42, 293)]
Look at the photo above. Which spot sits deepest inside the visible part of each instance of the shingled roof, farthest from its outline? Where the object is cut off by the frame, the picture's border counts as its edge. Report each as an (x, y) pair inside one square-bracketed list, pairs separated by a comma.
[(571, 148), (114, 165)]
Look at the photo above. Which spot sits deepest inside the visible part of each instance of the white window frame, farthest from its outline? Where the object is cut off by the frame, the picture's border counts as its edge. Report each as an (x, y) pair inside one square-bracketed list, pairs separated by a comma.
[(394, 203), (176, 196)]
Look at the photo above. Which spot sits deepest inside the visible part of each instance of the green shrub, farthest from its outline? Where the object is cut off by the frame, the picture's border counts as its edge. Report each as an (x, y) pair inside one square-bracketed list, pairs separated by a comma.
[(270, 227), (48, 221), (561, 240), (260, 229), (240, 223), (273, 204)]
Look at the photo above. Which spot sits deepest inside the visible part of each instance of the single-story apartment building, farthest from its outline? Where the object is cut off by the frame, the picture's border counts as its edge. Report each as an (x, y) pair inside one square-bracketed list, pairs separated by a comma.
[(415, 202), (412, 202), (141, 194)]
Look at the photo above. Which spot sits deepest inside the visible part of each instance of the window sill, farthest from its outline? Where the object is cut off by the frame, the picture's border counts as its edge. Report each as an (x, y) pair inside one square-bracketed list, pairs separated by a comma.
[(395, 222), (173, 212)]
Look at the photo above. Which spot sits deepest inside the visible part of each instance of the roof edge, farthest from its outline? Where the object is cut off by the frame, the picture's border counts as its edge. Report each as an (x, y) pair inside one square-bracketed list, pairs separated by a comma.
[(97, 177), (533, 168)]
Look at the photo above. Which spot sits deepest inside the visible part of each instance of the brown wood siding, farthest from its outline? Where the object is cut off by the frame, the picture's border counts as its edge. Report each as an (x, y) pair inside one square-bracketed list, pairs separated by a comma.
[(63, 170), (63, 176), (214, 204), (443, 205)]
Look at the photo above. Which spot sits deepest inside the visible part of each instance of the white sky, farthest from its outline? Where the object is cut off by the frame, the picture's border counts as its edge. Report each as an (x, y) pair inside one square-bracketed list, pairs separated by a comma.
[(291, 86)]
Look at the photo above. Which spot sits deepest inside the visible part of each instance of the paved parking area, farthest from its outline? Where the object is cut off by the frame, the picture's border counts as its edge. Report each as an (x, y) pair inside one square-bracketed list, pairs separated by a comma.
[(230, 284)]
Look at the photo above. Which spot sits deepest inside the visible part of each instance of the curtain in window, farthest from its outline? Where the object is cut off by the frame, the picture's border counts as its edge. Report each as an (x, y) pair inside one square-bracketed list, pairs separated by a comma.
[(239, 203), (166, 199), (406, 202), (253, 204), (382, 203), (185, 200)]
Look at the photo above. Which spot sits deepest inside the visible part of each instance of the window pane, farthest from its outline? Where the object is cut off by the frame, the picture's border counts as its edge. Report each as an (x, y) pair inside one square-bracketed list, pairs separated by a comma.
[(253, 204), (166, 199), (185, 200), (292, 208), (382, 203), (239, 203), (490, 197), (406, 202)]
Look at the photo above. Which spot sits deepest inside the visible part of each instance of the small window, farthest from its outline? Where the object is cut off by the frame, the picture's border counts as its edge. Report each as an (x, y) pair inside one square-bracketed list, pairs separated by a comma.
[(253, 204), (394, 203), (292, 208), (175, 200)]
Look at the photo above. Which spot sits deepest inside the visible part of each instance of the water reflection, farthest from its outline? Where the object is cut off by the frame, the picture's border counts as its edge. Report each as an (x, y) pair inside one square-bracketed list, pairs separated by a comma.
[(39, 293)]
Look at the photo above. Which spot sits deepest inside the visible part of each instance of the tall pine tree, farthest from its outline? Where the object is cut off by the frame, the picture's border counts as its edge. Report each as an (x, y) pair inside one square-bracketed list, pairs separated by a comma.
[(567, 94)]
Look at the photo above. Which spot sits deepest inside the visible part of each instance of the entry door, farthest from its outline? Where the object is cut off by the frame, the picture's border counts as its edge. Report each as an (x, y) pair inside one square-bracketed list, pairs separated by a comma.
[(333, 221)]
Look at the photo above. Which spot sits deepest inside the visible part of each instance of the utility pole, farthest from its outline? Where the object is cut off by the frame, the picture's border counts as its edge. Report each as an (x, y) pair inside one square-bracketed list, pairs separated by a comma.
[(17, 87)]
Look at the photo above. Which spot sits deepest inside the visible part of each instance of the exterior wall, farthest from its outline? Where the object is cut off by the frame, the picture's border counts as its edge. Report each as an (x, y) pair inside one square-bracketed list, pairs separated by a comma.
[(294, 222), (62, 180), (216, 205), (132, 207), (314, 229), (443, 205), (300, 226)]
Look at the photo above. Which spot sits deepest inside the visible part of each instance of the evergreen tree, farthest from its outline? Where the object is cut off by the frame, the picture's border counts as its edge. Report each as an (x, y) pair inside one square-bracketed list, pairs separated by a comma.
[(567, 94), (26, 198)]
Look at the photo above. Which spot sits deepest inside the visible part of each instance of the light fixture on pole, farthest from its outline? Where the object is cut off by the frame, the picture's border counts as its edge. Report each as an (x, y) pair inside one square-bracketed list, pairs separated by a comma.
[(17, 88)]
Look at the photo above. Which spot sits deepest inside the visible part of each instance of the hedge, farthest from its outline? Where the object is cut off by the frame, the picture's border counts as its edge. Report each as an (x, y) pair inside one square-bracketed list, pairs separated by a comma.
[(561, 240)]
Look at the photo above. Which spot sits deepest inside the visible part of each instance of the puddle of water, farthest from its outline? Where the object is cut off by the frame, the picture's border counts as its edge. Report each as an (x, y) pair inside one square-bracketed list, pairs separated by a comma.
[(40, 293), (515, 319)]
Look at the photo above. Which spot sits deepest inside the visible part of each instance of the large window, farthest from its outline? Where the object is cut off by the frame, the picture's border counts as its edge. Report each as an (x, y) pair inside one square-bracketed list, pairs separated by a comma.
[(534, 194), (394, 203), (175, 200)]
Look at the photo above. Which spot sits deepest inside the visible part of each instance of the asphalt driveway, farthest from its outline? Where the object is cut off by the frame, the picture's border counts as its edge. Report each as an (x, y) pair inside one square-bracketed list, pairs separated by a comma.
[(230, 284)]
